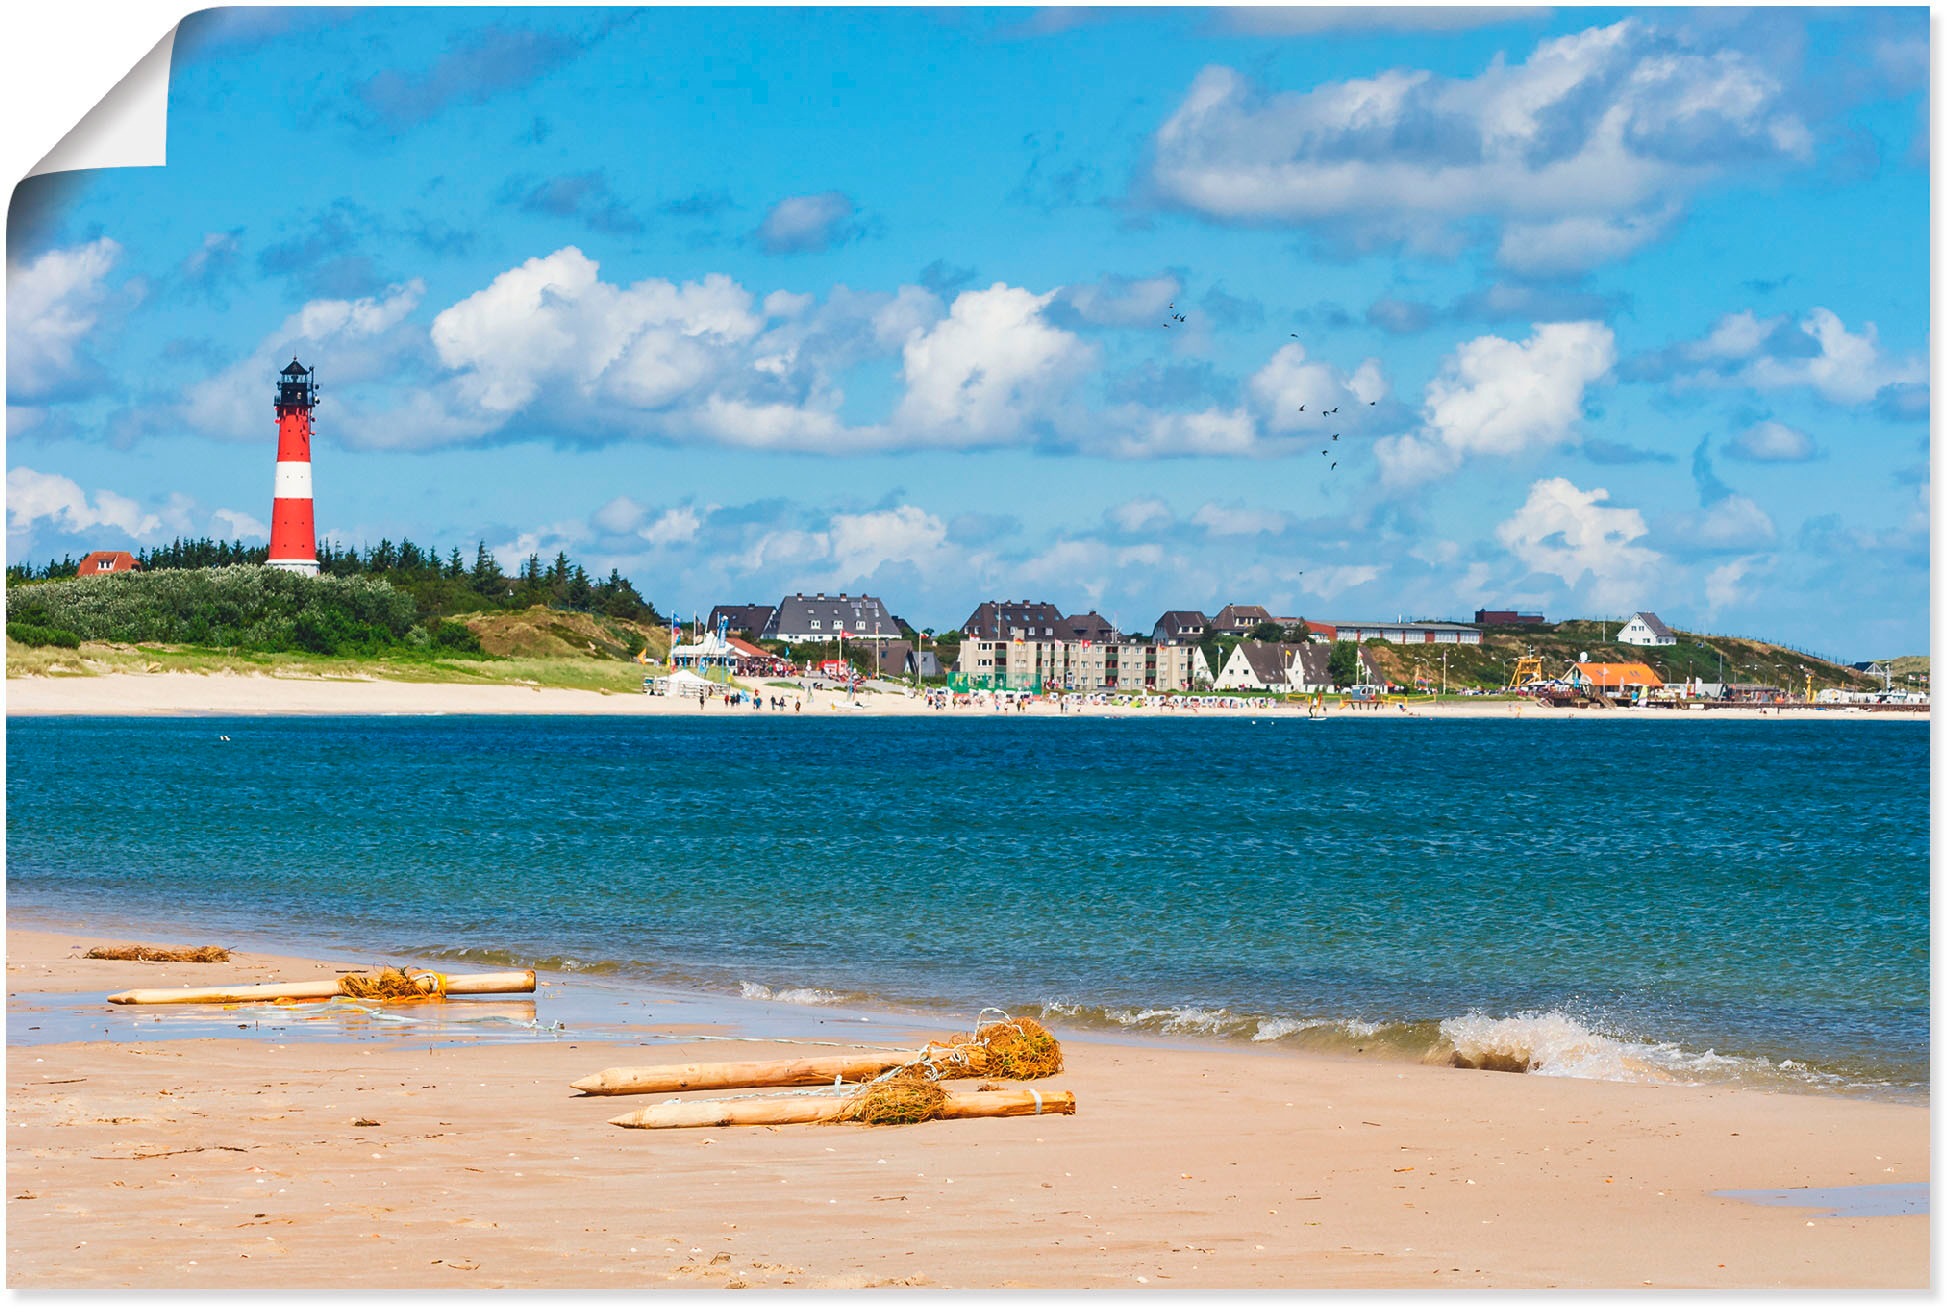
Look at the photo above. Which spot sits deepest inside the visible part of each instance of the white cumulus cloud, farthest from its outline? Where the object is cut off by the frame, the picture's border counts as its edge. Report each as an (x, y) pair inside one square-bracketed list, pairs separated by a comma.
[(1137, 432), (348, 342), (53, 304), (1574, 535), (678, 524), (990, 370), (1578, 242), (552, 322), (238, 524), (37, 500), (861, 543), (1289, 380), (1328, 581), (1615, 124), (1501, 398), (1850, 368), (1723, 586), (1818, 352)]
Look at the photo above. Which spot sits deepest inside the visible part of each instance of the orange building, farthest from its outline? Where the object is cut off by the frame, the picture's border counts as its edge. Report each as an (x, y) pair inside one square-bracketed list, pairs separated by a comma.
[(1613, 679)]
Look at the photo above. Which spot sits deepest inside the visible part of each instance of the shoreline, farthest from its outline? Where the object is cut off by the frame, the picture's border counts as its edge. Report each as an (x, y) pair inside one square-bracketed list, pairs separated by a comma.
[(1259, 1169), (1560, 1044), (184, 694)]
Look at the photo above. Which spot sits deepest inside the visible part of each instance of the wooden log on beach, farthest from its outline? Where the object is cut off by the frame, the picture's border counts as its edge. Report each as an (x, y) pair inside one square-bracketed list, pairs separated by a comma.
[(707, 1113), (743, 1074), (501, 981)]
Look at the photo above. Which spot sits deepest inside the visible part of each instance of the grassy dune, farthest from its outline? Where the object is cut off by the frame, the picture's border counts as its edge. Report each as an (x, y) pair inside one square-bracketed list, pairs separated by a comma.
[(536, 648), (589, 673), (1695, 656)]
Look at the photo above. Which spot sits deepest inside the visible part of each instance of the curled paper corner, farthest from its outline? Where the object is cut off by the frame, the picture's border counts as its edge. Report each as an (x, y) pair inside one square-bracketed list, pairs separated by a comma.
[(127, 128)]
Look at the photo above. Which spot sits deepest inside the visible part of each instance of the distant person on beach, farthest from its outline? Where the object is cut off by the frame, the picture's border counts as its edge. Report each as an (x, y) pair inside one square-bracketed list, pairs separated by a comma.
[(797, 706)]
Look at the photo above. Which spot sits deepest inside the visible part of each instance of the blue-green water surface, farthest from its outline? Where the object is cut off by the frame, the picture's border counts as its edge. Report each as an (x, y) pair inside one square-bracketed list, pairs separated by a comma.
[(1715, 901)]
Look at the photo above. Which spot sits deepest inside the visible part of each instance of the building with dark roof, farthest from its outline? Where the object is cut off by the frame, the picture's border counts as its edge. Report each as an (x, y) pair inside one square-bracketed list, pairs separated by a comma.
[(998, 621), (748, 618), (1255, 664), (1089, 627), (1174, 628), (1287, 666), (804, 617), (1311, 667), (1506, 618), (1238, 620)]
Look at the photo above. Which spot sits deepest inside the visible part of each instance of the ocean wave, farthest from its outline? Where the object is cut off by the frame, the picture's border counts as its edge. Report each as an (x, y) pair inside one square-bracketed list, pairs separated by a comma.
[(1559, 1044), (516, 960), (1274, 1028), (804, 997), (1179, 1020), (1567, 1042), (1554, 1043)]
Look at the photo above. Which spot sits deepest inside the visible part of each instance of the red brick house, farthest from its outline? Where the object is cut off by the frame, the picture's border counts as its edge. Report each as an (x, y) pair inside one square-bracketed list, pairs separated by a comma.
[(106, 562)]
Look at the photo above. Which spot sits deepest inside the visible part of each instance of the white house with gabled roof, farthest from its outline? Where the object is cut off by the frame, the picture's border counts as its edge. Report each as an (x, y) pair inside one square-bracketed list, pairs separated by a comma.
[(1645, 630)]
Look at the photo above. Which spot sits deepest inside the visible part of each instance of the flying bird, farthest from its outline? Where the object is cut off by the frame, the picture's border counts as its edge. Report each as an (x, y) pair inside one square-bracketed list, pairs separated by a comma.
[(1335, 464), (1372, 403), (1335, 437), (1301, 407)]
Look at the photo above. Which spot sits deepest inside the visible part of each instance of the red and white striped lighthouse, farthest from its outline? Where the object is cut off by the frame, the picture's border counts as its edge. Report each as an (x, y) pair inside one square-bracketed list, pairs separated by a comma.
[(293, 540)]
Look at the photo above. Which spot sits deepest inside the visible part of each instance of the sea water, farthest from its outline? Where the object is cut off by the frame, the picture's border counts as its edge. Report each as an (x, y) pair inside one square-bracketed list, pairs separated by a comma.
[(1624, 898)]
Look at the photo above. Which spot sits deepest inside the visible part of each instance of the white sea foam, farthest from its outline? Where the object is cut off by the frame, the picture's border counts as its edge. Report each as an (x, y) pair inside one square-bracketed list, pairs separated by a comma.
[(1176, 1020), (1278, 1027), (1555, 1043), (1281, 1027), (800, 996)]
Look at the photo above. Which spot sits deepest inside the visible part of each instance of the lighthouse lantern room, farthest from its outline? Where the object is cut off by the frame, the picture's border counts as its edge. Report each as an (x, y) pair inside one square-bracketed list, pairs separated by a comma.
[(293, 539)]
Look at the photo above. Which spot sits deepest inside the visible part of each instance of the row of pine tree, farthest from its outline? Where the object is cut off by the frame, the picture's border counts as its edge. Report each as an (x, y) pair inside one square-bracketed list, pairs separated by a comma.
[(441, 584)]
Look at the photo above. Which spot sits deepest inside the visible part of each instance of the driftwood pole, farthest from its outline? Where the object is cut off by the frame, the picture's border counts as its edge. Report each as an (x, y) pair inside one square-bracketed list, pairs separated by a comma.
[(743, 1074), (705, 1113), (504, 981)]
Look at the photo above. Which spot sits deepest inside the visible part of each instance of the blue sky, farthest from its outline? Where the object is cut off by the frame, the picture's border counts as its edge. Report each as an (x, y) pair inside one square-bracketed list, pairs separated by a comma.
[(1609, 309)]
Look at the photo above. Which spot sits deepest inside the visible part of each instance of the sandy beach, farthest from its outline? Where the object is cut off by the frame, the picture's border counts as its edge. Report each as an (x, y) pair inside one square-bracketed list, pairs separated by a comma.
[(374, 1161), (239, 694)]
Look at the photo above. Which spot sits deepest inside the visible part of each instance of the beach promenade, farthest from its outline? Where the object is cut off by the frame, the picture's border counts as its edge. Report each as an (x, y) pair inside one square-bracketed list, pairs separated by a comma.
[(375, 1161), (235, 694)]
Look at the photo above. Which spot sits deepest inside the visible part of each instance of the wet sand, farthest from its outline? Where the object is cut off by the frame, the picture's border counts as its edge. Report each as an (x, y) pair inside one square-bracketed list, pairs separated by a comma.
[(403, 1158)]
